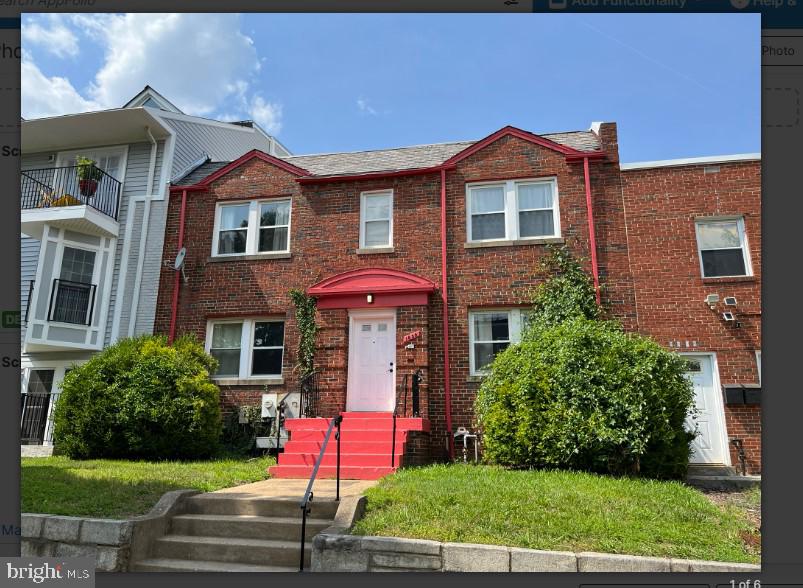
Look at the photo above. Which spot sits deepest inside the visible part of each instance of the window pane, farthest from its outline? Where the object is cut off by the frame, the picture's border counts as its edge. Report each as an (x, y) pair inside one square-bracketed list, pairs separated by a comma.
[(377, 233), (269, 334), (274, 213), (723, 262), (491, 327), (536, 223), (231, 241), (488, 226), (227, 335), (273, 239), (77, 265), (377, 207), (484, 354), (234, 217), (719, 235), (267, 362), (229, 360), (40, 381), (491, 199), (535, 196)]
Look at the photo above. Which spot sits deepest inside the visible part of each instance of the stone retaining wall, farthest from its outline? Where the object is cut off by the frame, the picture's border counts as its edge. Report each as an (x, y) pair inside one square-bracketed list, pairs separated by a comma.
[(333, 552), (111, 542)]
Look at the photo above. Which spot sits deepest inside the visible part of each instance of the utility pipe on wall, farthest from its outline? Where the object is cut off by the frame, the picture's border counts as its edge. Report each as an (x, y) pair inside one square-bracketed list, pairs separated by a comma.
[(592, 238), (177, 279), (447, 389)]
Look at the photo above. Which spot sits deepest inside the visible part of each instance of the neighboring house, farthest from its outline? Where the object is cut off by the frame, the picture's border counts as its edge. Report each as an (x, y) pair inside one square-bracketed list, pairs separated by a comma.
[(422, 259), (92, 237)]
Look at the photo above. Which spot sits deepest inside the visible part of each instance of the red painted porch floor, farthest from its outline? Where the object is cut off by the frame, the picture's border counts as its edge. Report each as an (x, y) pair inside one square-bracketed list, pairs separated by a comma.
[(366, 441)]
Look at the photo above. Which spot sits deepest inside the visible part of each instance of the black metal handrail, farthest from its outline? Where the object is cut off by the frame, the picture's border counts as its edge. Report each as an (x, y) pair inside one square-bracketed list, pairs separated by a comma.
[(31, 284), (62, 186), (305, 510), (71, 302)]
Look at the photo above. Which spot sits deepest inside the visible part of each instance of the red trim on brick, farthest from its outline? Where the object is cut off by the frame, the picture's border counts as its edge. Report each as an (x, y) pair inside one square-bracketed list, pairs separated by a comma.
[(392, 287), (447, 385), (372, 175), (510, 131)]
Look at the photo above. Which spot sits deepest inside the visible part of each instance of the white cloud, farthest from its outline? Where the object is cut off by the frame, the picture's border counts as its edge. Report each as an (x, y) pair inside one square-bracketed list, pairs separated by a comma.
[(48, 96), (365, 107), (266, 114), (51, 35), (203, 63)]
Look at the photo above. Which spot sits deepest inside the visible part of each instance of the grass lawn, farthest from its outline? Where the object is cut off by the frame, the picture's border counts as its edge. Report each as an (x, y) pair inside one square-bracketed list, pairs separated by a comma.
[(556, 511), (118, 488)]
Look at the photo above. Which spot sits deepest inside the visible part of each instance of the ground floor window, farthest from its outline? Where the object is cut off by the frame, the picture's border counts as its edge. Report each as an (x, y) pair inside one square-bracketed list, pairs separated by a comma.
[(491, 331), (247, 348)]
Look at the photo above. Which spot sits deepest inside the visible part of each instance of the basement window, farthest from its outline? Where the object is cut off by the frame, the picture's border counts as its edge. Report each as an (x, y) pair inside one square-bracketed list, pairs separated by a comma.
[(512, 210), (722, 245), (493, 331), (249, 348), (252, 228)]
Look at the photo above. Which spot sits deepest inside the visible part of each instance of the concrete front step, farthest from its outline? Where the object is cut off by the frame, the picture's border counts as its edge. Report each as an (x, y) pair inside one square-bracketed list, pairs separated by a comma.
[(185, 565), (227, 549), (246, 526), (698, 469), (346, 473), (723, 482), (346, 459), (231, 504)]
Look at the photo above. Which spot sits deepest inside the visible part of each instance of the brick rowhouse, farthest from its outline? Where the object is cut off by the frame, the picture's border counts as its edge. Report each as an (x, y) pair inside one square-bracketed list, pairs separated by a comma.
[(646, 247)]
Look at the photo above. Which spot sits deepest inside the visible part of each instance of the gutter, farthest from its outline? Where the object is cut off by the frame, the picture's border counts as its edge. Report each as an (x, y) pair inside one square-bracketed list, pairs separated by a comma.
[(447, 387)]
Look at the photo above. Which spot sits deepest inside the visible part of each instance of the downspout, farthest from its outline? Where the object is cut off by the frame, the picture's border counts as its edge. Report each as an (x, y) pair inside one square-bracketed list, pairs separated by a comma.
[(592, 238), (447, 388), (177, 279), (143, 239)]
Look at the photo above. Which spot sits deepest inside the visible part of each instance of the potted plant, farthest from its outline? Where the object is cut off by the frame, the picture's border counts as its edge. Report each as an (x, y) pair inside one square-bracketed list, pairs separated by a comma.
[(88, 175)]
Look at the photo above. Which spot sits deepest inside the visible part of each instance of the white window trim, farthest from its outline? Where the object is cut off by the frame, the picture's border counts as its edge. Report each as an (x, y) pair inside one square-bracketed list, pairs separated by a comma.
[(515, 328), (512, 209), (253, 229), (748, 266), (363, 197), (246, 347)]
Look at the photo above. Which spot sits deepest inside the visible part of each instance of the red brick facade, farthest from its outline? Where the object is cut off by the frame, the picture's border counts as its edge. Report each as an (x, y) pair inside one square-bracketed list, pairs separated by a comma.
[(325, 241)]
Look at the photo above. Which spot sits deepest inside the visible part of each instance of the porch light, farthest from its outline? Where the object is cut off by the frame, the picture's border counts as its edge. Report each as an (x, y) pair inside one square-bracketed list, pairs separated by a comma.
[(369, 298)]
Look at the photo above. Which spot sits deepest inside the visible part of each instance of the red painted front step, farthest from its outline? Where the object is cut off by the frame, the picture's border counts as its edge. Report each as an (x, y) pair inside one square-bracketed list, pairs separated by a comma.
[(366, 442)]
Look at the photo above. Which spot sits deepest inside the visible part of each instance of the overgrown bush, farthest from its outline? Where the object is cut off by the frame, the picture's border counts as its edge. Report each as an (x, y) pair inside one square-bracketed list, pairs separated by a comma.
[(140, 398), (580, 393)]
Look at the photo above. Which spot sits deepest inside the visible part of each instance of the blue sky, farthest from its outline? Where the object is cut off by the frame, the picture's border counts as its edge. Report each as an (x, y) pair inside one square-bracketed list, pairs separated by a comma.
[(677, 85)]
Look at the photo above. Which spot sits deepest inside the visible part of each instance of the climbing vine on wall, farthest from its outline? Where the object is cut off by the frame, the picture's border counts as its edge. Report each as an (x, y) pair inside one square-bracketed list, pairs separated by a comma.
[(308, 329)]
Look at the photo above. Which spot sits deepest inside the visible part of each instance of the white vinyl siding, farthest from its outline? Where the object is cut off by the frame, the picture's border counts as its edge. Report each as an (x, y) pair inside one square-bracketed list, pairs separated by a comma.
[(376, 219), (512, 210), (251, 228)]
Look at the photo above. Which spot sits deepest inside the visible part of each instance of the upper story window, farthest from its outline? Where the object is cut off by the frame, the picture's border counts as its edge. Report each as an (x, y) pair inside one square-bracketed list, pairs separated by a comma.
[(493, 331), (249, 348), (376, 219), (250, 228), (723, 248), (512, 210)]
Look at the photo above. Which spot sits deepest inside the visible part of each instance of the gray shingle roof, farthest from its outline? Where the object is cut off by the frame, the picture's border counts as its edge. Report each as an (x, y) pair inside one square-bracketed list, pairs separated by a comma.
[(388, 160)]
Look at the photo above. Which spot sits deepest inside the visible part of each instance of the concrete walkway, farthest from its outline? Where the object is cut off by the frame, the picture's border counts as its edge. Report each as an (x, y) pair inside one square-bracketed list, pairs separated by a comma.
[(293, 489)]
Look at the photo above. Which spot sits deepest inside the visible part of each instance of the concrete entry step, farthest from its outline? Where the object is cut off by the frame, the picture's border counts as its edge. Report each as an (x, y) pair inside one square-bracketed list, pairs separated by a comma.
[(723, 482), (232, 504), (235, 550), (186, 565), (704, 469), (246, 526)]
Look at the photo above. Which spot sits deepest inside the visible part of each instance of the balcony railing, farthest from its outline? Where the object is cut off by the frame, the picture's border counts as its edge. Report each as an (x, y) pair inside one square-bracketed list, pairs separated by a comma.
[(71, 302), (61, 186)]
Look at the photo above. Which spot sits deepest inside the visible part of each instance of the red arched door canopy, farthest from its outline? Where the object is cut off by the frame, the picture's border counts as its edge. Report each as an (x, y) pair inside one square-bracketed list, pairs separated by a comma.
[(382, 286)]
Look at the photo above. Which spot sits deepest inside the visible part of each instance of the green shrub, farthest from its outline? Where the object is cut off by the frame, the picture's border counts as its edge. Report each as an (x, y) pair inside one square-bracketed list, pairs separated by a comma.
[(580, 393), (140, 398)]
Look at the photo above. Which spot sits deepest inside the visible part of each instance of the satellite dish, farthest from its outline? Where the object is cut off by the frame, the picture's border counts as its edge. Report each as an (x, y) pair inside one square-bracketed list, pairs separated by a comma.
[(179, 263)]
